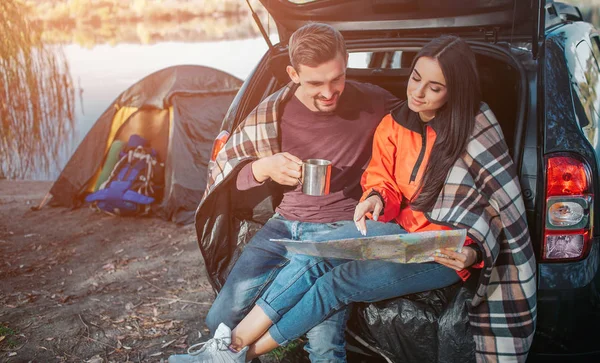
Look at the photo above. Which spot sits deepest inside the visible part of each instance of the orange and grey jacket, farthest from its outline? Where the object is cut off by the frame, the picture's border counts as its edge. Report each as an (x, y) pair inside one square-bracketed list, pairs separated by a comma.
[(401, 150)]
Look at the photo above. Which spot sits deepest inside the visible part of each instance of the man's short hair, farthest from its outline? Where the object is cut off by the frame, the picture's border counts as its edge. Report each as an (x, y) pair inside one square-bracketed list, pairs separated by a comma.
[(314, 44)]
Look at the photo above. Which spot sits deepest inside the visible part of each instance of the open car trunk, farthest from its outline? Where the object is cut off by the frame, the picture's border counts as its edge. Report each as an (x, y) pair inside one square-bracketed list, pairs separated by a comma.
[(431, 326), (509, 20)]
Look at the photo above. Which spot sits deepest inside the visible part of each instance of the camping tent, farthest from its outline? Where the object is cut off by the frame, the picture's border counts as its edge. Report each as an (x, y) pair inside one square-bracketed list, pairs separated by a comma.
[(179, 110)]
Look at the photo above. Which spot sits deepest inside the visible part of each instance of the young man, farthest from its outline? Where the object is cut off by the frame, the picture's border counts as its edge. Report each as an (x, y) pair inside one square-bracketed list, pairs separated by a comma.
[(320, 115)]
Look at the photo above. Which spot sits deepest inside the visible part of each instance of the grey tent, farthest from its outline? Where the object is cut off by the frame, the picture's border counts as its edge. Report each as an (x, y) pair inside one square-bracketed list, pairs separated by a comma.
[(179, 110)]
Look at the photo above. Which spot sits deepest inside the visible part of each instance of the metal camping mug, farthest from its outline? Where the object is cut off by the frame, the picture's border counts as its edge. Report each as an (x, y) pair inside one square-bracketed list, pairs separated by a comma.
[(316, 177)]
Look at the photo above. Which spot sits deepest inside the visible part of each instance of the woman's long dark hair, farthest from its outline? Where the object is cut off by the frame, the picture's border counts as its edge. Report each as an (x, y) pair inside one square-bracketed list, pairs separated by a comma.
[(456, 118)]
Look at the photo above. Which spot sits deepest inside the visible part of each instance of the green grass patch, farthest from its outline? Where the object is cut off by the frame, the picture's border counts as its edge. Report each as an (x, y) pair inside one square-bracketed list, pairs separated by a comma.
[(293, 352), (6, 331), (7, 334)]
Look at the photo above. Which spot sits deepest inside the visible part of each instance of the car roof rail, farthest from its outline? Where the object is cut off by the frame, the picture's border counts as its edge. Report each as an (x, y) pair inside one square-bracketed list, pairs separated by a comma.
[(557, 12)]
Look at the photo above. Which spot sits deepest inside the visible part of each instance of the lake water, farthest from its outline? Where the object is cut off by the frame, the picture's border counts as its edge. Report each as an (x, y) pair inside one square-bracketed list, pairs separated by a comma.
[(101, 73)]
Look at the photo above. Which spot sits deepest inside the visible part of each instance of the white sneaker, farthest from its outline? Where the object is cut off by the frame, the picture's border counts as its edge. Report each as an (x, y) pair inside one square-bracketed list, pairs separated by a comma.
[(215, 350)]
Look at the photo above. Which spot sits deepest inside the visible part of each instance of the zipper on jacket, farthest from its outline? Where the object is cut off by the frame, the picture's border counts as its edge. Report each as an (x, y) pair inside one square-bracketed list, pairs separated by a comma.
[(413, 175)]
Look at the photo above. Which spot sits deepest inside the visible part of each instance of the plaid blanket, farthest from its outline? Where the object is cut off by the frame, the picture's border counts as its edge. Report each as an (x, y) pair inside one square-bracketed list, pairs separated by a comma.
[(256, 137), (481, 194)]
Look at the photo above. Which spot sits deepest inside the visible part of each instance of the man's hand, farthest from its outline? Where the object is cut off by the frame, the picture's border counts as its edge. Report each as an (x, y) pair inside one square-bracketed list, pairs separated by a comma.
[(457, 260), (372, 204), (283, 168)]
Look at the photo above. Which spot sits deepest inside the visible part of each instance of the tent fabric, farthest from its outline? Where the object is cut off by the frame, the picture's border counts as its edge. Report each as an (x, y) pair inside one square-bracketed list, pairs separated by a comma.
[(180, 110)]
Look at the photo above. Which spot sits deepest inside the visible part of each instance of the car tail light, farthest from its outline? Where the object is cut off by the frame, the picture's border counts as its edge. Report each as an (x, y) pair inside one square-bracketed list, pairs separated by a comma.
[(218, 144), (569, 199)]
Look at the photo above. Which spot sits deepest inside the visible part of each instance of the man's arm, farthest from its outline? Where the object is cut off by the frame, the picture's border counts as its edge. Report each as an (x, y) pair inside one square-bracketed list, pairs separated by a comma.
[(245, 179), (390, 102), (283, 168)]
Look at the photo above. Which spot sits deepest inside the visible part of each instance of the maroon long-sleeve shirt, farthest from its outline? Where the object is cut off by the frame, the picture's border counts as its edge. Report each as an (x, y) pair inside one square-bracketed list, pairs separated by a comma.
[(343, 136)]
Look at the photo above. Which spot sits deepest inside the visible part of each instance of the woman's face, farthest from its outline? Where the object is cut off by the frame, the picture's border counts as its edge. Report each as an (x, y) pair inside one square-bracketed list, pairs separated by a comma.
[(426, 89)]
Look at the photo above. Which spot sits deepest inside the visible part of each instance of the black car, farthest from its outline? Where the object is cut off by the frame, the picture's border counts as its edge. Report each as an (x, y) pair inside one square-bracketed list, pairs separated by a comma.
[(539, 64)]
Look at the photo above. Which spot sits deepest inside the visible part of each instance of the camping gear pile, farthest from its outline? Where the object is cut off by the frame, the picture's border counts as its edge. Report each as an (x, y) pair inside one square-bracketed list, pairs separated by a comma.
[(131, 187)]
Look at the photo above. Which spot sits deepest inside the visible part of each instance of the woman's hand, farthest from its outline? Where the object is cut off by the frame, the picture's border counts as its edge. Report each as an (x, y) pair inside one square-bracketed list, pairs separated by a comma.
[(372, 204), (457, 260)]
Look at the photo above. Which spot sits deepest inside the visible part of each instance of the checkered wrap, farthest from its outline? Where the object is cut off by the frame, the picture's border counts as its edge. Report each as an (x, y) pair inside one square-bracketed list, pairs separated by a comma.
[(256, 137), (482, 194)]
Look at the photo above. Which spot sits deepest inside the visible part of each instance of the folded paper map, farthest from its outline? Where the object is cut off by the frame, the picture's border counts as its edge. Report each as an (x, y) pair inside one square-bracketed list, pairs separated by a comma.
[(403, 248)]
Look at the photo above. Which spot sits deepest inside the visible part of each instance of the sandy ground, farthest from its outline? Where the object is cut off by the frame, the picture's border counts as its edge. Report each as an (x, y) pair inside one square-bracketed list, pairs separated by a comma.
[(83, 286)]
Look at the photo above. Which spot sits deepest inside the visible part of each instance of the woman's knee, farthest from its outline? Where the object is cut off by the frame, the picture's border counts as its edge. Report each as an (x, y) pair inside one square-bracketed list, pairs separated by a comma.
[(296, 278)]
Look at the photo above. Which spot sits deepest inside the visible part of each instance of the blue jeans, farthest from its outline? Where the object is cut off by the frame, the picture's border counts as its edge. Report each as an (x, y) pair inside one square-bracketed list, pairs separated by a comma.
[(262, 260), (310, 289)]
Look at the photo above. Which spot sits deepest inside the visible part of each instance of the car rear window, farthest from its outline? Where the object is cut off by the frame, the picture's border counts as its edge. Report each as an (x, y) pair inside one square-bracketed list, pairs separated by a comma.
[(382, 59)]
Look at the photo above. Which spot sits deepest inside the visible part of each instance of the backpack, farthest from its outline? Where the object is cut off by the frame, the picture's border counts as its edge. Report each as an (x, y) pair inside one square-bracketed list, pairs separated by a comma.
[(130, 189)]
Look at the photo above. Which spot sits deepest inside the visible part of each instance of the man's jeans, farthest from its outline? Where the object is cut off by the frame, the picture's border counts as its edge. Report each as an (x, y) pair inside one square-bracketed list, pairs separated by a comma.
[(309, 289), (261, 261)]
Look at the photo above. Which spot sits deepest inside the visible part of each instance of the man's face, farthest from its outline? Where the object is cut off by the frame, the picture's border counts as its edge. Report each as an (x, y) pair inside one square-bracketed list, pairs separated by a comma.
[(321, 86)]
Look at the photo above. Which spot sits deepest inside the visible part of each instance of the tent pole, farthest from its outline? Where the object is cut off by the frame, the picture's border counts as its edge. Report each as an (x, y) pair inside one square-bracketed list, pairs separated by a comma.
[(42, 203)]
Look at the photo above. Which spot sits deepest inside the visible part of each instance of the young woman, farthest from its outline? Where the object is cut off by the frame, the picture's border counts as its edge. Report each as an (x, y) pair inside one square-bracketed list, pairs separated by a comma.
[(401, 184)]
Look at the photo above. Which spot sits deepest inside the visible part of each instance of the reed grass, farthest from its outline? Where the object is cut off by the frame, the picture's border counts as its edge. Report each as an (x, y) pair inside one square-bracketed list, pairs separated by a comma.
[(37, 108)]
